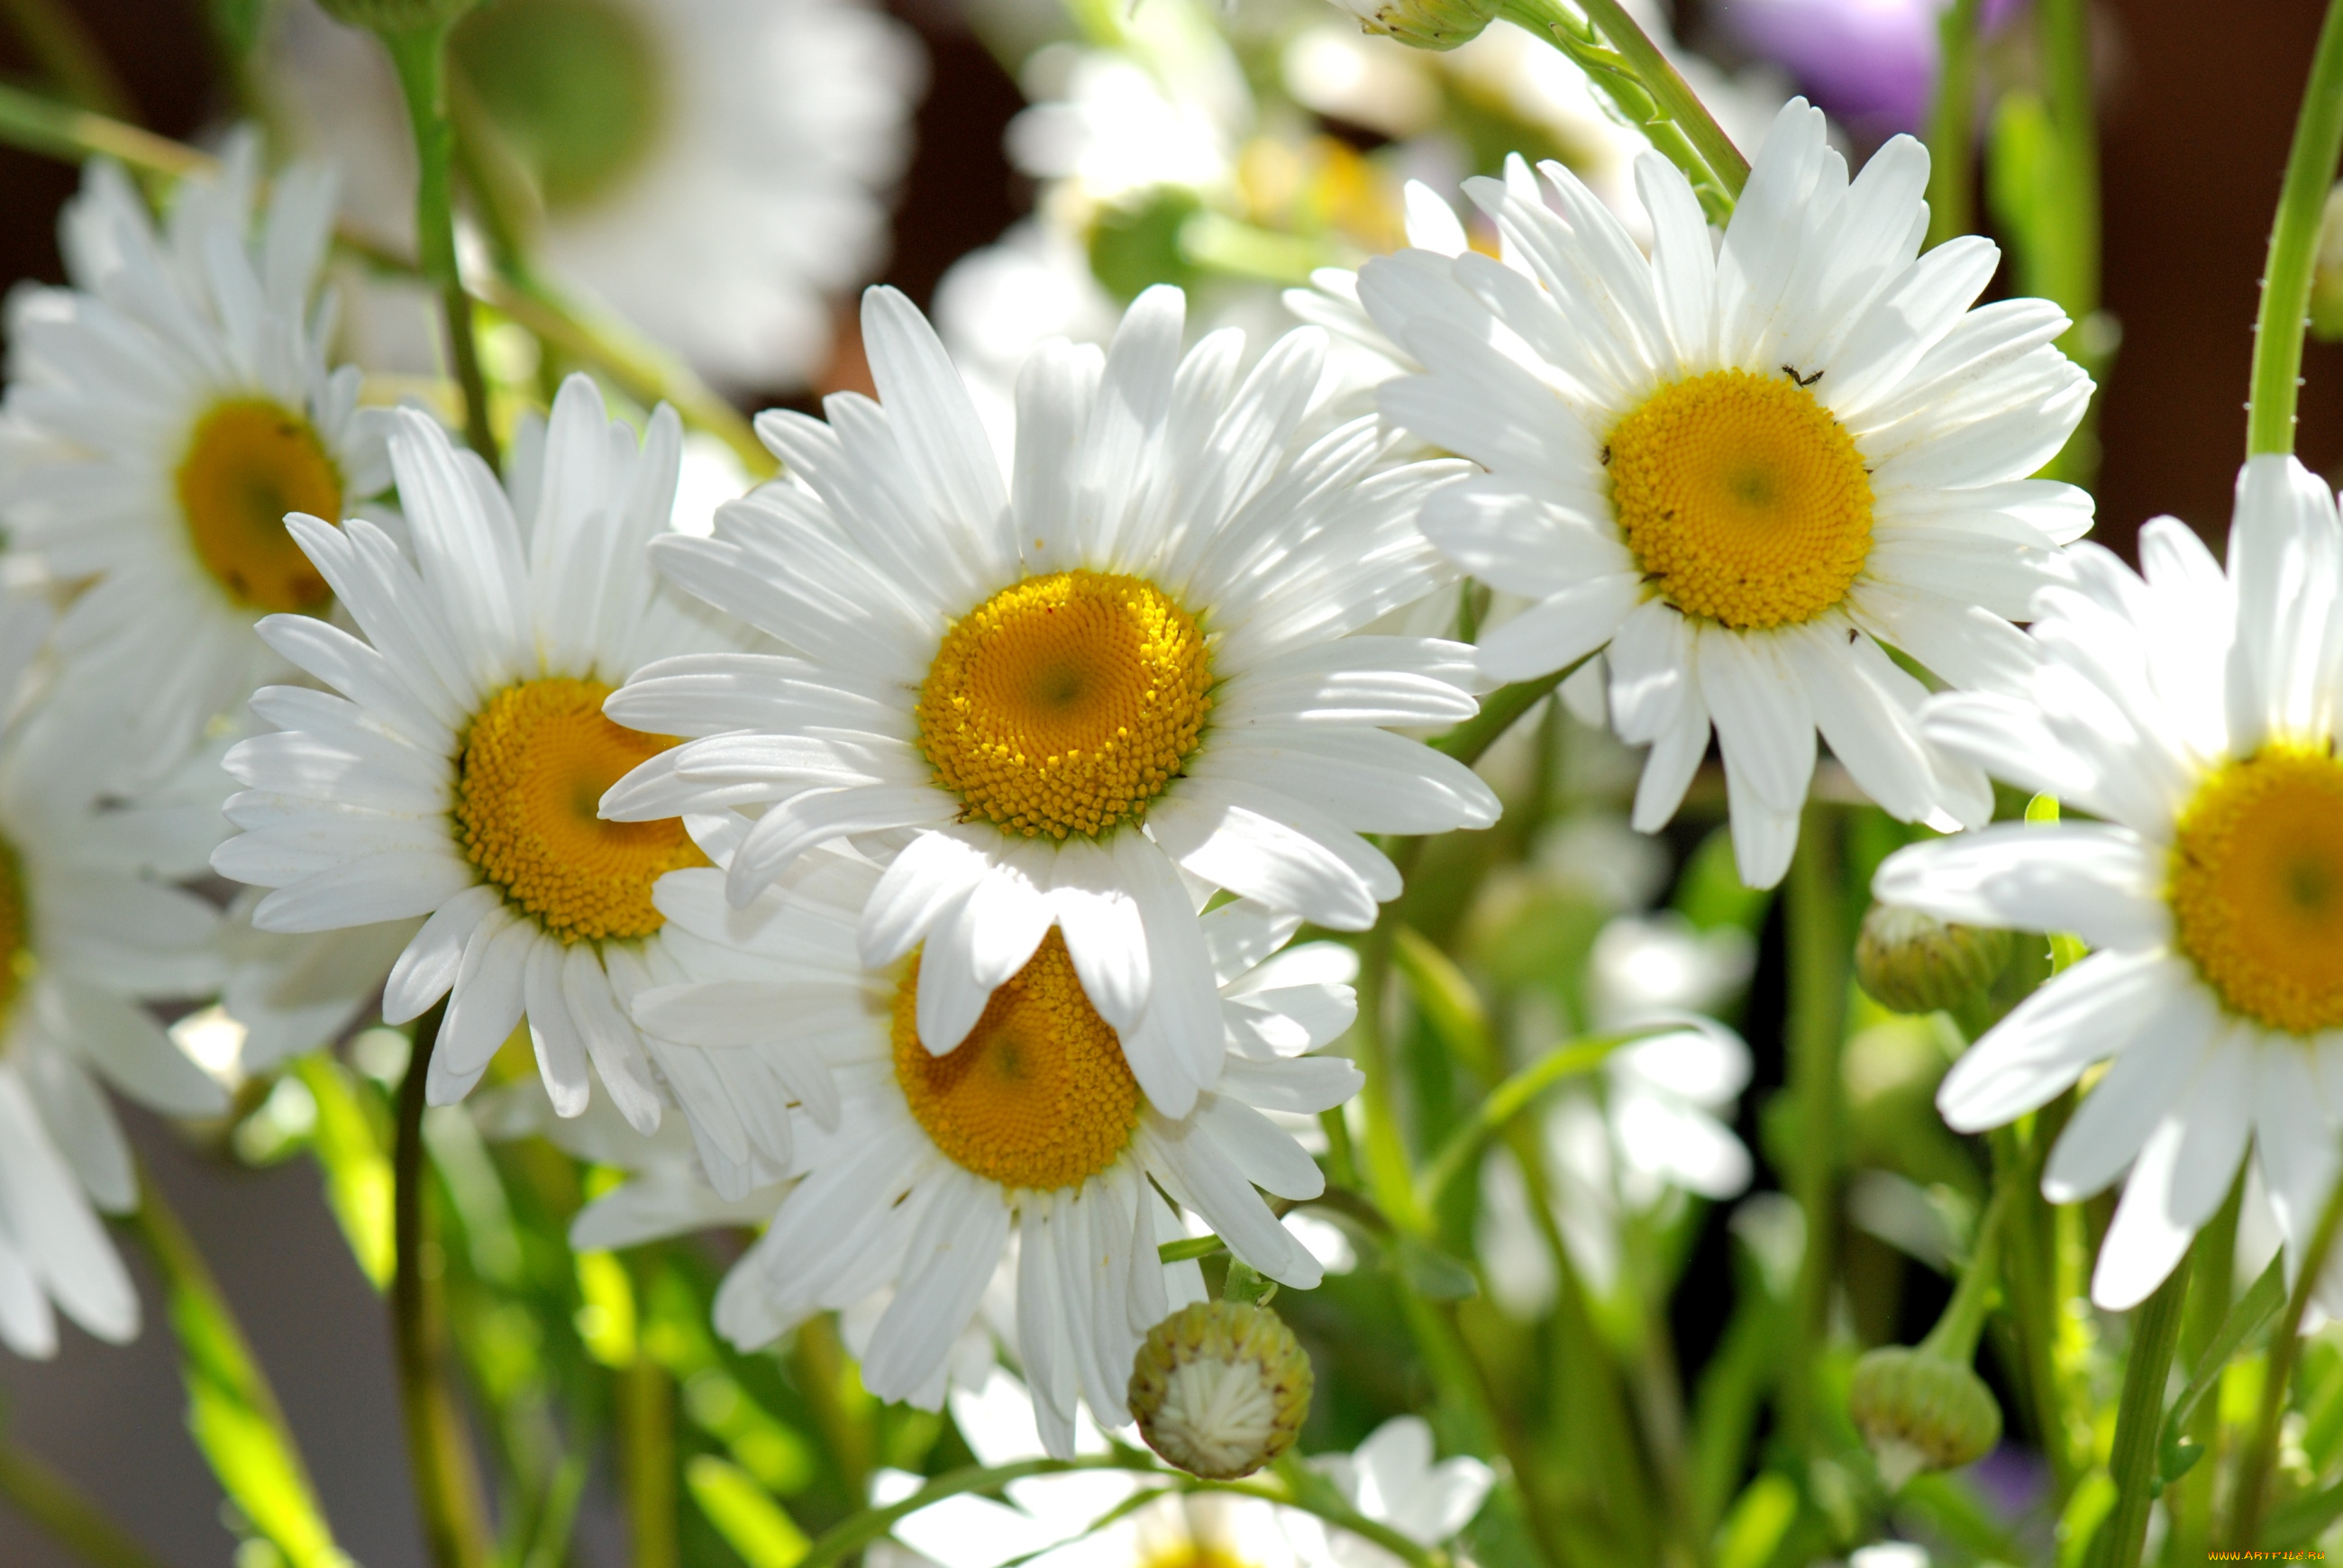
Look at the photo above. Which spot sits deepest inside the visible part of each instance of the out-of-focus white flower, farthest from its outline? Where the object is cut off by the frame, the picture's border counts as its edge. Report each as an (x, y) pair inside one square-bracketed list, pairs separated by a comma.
[(1657, 1125), (713, 170), (1391, 1478)]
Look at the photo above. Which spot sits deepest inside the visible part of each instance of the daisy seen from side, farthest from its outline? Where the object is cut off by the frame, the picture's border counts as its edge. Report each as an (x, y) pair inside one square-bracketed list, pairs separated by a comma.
[(2194, 713), (453, 776), (163, 413), (1743, 471), (92, 930), (1080, 695), (1031, 1138)]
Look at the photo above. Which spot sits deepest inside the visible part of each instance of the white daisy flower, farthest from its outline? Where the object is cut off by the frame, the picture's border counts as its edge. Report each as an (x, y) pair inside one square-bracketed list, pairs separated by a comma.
[(163, 413), (1391, 1479), (713, 170), (1071, 695), (89, 930), (1746, 470), (455, 776), (2196, 714), (927, 1166)]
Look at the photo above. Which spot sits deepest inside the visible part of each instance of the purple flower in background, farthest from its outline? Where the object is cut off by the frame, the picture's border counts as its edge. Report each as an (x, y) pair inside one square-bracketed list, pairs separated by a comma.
[(1872, 64)]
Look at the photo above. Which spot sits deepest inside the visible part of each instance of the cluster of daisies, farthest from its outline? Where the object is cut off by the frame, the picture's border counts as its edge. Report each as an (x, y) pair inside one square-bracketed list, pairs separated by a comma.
[(931, 837)]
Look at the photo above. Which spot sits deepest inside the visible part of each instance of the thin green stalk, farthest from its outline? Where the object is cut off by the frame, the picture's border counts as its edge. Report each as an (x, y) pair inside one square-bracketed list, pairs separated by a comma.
[(2066, 58), (647, 372), (2189, 1502), (647, 1436), (1955, 1337), (1602, 40), (2254, 1471), (2139, 1420), (438, 1446), (2294, 247), (1384, 1145), (1498, 1108), (859, 1531), (822, 1373), (42, 125), (1820, 942), (62, 43), (45, 1496), (420, 54), (1673, 95), (1952, 125)]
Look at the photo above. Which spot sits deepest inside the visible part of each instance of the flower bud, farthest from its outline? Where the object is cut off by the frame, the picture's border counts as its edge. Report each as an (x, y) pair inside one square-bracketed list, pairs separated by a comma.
[(1921, 1412), (395, 15), (1424, 24), (1911, 962), (2326, 273), (1220, 1389)]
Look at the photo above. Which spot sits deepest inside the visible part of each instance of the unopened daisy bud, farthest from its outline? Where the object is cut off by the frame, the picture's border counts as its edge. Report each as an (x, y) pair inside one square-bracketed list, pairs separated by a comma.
[(1921, 1412), (1913, 962), (1220, 1389), (395, 15), (2327, 273), (1424, 24)]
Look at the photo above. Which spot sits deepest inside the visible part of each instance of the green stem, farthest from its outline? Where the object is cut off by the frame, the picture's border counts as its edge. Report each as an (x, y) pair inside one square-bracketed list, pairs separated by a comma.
[(1955, 1337), (1819, 945), (2139, 1420), (1384, 1146), (861, 1529), (62, 43), (421, 57), (647, 1427), (1952, 125), (2067, 60), (1675, 96), (438, 1449), (1514, 1095), (2188, 1503), (1499, 710), (2294, 247), (1630, 70), (40, 126), (2285, 1344), (45, 1497), (822, 1373)]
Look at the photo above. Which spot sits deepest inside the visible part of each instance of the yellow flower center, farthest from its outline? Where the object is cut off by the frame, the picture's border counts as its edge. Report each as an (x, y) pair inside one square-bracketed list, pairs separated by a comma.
[(249, 462), (531, 774), (1742, 499), (1064, 703), (1038, 1096), (16, 960), (1190, 1552), (2256, 887)]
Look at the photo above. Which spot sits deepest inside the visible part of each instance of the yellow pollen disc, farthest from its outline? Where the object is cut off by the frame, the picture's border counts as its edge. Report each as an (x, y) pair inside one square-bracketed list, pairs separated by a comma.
[(533, 770), (1038, 1096), (16, 964), (2256, 887), (249, 462), (1742, 499), (1065, 703), (1191, 1553)]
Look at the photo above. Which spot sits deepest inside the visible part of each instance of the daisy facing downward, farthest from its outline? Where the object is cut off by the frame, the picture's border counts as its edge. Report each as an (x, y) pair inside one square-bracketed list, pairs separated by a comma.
[(1032, 1133), (1745, 472), (2197, 714), (1077, 696), (456, 774)]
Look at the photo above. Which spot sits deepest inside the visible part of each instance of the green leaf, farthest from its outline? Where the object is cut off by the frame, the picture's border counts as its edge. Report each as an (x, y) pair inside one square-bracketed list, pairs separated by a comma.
[(749, 1519), (352, 1152), (1433, 1273), (2253, 1309), (231, 1410)]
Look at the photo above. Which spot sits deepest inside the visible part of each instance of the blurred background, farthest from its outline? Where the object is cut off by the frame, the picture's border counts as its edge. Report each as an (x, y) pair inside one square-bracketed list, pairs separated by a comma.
[(2196, 105)]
